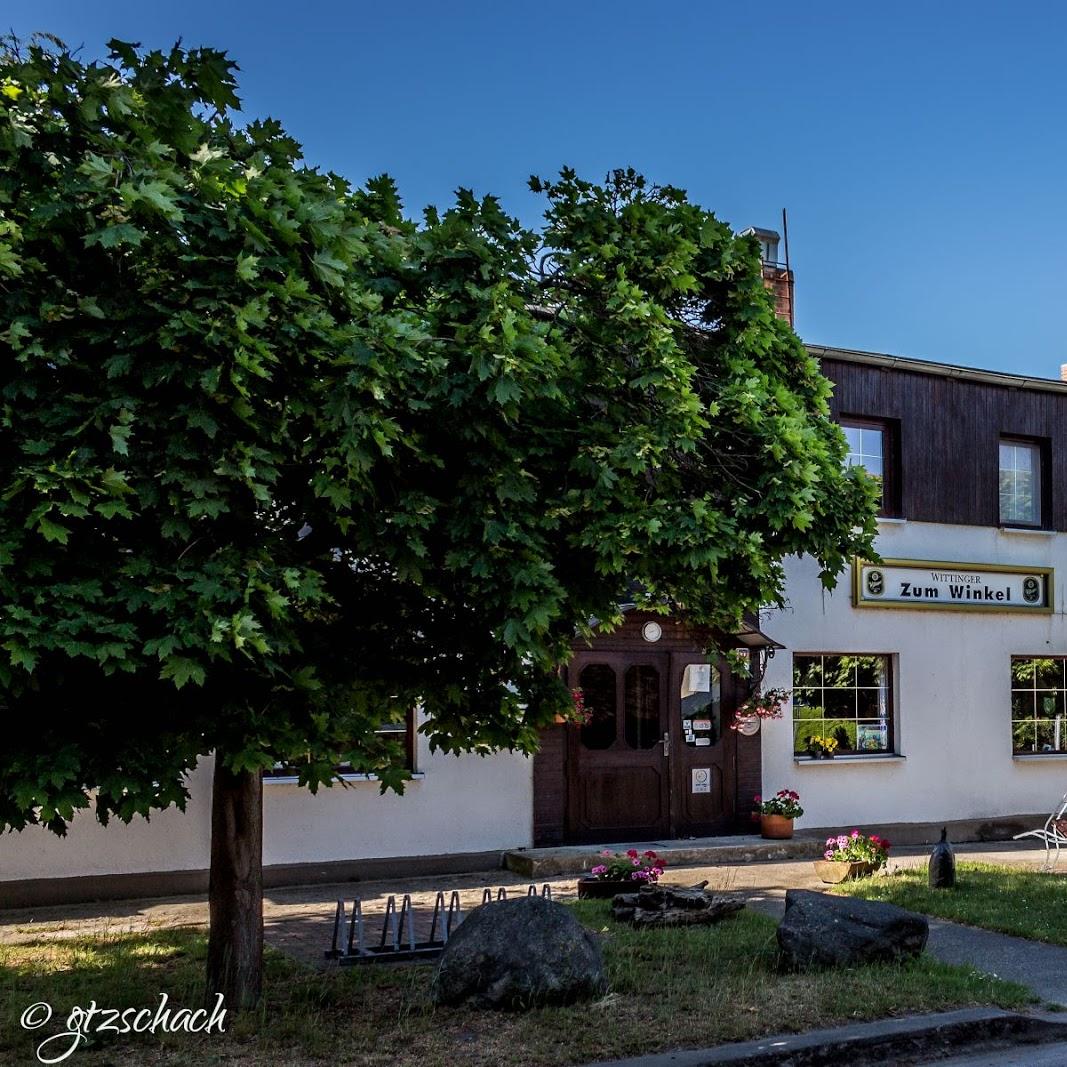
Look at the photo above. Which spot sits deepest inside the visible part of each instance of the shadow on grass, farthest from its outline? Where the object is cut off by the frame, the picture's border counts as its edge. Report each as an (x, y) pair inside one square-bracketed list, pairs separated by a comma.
[(670, 988)]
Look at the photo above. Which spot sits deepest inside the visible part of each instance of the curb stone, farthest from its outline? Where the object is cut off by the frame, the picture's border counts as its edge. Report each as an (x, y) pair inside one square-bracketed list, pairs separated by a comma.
[(913, 1038)]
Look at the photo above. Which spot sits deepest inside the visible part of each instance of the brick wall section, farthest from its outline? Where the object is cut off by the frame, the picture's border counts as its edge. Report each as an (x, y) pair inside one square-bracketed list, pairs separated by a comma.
[(780, 282), (550, 788), (749, 776)]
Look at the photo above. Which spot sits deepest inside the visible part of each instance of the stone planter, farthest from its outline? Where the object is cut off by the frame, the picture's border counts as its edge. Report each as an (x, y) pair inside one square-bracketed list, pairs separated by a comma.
[(601, 888), (834, 871), (776, 827)]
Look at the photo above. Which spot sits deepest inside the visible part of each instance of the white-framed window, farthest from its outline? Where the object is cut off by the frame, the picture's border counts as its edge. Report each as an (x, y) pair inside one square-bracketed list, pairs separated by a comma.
[(1020, 482), (846, 697), (1038, 715)]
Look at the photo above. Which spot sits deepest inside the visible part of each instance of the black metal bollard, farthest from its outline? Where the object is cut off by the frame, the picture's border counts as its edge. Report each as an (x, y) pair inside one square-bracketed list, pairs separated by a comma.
[(942, 864)]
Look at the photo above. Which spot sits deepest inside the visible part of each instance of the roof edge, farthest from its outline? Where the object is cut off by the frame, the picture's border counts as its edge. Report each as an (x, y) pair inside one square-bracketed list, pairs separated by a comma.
[(942, 370)]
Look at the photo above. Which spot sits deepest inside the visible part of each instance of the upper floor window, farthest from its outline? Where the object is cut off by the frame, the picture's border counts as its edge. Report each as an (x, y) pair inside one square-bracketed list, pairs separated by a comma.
[(871, 446), (1020, 482)]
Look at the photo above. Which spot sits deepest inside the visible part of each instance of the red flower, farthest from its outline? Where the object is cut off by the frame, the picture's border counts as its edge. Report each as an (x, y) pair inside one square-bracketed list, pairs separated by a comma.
[(632, 853)]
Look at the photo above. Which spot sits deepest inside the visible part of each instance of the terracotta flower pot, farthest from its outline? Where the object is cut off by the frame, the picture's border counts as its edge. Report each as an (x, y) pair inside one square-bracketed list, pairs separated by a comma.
[(776, 827), (834, 871), (599, 888)]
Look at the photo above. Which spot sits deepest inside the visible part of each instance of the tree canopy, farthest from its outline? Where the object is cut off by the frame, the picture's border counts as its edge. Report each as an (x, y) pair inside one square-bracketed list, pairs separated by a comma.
[(279, 462)]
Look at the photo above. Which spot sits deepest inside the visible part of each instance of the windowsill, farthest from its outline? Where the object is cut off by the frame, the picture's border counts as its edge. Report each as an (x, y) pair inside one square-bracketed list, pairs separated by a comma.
[(292, 779), (888, 757), (891, 520), (1038, 757), (1034, 531)]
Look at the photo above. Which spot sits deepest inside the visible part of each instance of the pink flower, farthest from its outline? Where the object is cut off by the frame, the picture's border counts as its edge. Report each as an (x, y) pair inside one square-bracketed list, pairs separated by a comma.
[(831, 840), (606, 852), (636, 862), (828, 855), (855, 833), (842, 841), (598, 869), (757, 799)]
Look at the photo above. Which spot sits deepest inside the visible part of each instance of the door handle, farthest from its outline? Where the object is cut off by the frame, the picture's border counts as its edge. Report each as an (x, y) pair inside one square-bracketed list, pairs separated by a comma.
[(666, 742)]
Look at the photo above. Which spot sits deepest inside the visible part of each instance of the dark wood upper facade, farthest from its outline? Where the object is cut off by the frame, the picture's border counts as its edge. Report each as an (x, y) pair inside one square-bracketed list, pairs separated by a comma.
[(944, 426)]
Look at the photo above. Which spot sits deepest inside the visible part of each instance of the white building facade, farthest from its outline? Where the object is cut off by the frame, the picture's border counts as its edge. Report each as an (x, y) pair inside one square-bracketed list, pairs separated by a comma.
[(938, 673)]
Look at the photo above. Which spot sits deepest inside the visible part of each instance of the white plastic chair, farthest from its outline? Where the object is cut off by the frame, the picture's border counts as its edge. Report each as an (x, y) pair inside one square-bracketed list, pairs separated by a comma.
[(1052, 835)]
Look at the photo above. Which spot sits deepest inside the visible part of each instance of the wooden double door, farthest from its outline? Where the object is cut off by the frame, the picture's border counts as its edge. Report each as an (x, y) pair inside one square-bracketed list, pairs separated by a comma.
[(656, 758)]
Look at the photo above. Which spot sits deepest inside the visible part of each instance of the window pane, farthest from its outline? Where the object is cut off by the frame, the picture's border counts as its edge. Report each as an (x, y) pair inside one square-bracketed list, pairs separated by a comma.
[(642, 707), (1051, 734), (871, 703), (1022, 705), (870, 670), (807, 670), (839, 671), (597, 682), (1048, 673), (1024, 738), (701, 704)]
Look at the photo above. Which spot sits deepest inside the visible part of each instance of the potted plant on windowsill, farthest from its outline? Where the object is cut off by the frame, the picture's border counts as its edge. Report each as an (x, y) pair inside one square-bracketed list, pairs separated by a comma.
[(849, 856), (621, 872), (820, 747), (777, 814)]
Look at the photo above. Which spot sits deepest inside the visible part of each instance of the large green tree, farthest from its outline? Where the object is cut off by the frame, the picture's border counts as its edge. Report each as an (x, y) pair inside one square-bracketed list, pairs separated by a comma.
[(278, 463)]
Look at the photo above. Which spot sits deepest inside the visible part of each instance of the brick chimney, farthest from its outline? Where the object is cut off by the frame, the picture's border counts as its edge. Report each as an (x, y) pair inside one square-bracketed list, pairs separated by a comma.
[(776, 275)]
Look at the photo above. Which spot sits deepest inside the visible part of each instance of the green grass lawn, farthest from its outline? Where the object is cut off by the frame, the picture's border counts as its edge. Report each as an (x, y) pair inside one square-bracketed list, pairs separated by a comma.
[(1022, 902), (670, 988)]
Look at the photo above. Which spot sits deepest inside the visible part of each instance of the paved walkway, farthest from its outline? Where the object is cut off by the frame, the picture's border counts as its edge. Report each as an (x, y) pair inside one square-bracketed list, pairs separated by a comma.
[(299, 920)]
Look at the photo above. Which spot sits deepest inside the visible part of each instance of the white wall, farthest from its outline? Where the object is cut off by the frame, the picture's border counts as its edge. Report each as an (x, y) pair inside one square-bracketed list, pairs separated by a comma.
[(460, 804), (952, 693)]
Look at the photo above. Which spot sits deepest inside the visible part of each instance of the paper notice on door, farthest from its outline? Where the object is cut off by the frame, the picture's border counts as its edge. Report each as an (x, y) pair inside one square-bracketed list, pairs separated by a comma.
[(697, 679), (702, 724), (701, 779)]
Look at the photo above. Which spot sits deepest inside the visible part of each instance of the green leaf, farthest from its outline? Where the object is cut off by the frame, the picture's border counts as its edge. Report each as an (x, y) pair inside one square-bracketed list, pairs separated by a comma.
[(113, 236)]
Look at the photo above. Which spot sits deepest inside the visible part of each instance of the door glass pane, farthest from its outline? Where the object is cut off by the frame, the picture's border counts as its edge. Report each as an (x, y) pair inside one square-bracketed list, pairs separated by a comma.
[(701, 705), (597, 682), (642, 707)]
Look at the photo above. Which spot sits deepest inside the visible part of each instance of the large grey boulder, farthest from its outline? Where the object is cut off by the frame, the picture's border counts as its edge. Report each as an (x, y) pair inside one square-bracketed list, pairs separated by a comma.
[(820, 930), (519, 953)]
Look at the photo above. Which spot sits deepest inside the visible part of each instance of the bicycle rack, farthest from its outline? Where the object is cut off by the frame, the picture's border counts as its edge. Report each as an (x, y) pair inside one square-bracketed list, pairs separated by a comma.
[(398, 939)]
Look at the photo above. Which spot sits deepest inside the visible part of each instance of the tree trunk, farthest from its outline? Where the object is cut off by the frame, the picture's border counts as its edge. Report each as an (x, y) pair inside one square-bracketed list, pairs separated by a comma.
[(235, 888)]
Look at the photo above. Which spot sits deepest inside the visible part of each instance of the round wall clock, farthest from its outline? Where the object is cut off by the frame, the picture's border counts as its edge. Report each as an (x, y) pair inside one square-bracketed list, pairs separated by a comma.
[(652, 631)]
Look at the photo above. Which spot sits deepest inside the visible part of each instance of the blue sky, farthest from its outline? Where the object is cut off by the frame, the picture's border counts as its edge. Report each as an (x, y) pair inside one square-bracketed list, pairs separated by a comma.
[(920, 149)]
